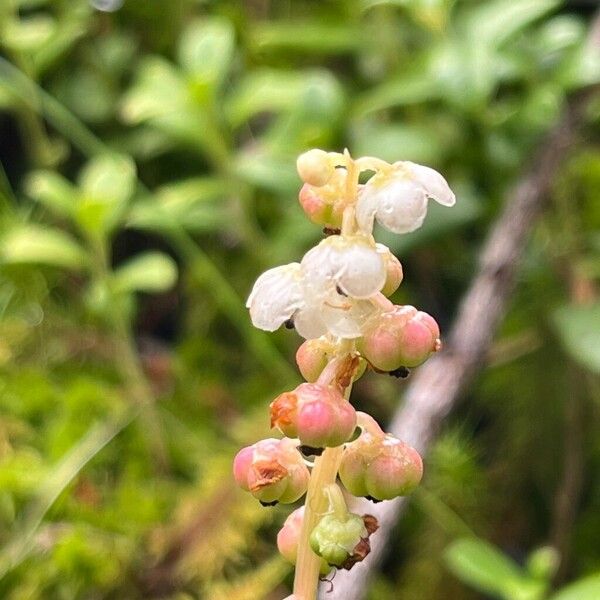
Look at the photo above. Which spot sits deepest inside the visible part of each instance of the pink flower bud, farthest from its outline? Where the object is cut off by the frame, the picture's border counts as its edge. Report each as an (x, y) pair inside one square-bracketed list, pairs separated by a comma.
[(289, 536), (314, 355), (380, 466), (315, 167), (312, 358), (318, 208), (272, 471), (316, 414), (393, 270), (403, 337)]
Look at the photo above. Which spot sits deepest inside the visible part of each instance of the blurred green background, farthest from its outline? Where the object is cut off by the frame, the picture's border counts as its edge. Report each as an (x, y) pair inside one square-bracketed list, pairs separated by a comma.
[(147, 177)]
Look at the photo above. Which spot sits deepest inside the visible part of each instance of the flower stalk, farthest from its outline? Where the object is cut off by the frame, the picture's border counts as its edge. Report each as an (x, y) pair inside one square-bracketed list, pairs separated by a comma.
[(337, 299)]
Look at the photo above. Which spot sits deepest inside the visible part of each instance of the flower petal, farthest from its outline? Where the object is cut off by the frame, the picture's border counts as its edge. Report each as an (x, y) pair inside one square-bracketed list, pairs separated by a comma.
[(435, 185), (275, 297), (346, 319), (309, 322), (351, 264), (402, 206), (366, 207)]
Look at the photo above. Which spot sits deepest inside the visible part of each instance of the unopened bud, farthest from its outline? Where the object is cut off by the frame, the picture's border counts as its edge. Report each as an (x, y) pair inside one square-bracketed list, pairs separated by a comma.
[(403, 337), (289, 536), (317, 414), (315, 167), (343, 542), (380, 467), (314, 355), (393, 270), (319, 208), (272, 471)]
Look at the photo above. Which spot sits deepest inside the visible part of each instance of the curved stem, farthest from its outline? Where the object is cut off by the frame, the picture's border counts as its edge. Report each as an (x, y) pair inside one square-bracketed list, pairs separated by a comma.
[(337, 504)]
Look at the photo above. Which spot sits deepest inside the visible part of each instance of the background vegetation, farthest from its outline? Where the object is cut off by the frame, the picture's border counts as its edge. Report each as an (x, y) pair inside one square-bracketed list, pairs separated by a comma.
[(148, 177)]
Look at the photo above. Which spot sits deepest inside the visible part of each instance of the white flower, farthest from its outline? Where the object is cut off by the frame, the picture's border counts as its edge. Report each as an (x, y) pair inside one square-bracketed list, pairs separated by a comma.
[(398, 199), (275, 297), (326, 293), (352, 265)]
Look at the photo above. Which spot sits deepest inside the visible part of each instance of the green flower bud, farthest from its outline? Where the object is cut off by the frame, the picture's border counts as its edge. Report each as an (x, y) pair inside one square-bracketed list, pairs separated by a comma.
[(335, 539)]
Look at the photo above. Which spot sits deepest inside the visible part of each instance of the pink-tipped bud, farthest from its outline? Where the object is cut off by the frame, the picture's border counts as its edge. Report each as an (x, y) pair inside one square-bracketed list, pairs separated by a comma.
[(319, 208), (289, 536), (316, 414), (314, 355), (315, 167), (312, 358), (380, 467), (403, 337), (393, 270), (272, 471)]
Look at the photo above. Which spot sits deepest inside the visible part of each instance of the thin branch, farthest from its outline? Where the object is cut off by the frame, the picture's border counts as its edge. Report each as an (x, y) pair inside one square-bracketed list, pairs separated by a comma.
[(437, 385)]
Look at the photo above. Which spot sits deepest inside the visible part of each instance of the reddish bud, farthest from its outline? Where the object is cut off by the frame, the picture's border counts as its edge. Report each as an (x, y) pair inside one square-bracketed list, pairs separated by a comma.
[(393, 270), (272, 471), (403, 337), (316, 414), (312, 358), (314, 355), (289, 536), (319, 208), (380, 466)]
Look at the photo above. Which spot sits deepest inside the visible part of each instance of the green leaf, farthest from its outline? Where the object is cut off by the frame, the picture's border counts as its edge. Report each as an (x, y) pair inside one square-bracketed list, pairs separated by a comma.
[(158, 91), (308, 123), (26, 35), (483, 566), (268, 90), (107, 182), (579, 330), (543, 563), (196, 204), (162, 97), (311, 37), (584, 589), (53, 191), (206, 50), (411, 87), (42, 245), (148, 272), (109, 177), (272, 172), (493, 23), (419, 143)]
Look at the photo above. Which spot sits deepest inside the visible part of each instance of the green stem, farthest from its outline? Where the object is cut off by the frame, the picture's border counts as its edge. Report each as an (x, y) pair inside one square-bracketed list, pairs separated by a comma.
[(128, 362), (32, 94), (322, 478), (324, 473)]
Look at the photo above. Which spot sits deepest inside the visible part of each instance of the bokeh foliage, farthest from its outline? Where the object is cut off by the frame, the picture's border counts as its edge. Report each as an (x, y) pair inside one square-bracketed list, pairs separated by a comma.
[(148, 177)]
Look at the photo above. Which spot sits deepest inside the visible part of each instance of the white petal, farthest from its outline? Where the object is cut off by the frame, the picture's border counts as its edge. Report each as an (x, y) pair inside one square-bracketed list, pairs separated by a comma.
[(401, 206), (309, 322), (351, 264), (366, 207), (275, 297), (435, 185), (346, 319)]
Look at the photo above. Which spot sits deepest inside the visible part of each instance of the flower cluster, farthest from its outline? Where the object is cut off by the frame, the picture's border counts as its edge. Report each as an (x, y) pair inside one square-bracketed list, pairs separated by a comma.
[(337, 299)]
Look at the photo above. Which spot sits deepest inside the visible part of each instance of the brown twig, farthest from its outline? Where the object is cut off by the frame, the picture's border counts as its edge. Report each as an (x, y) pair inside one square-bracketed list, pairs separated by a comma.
[(437, 385)]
